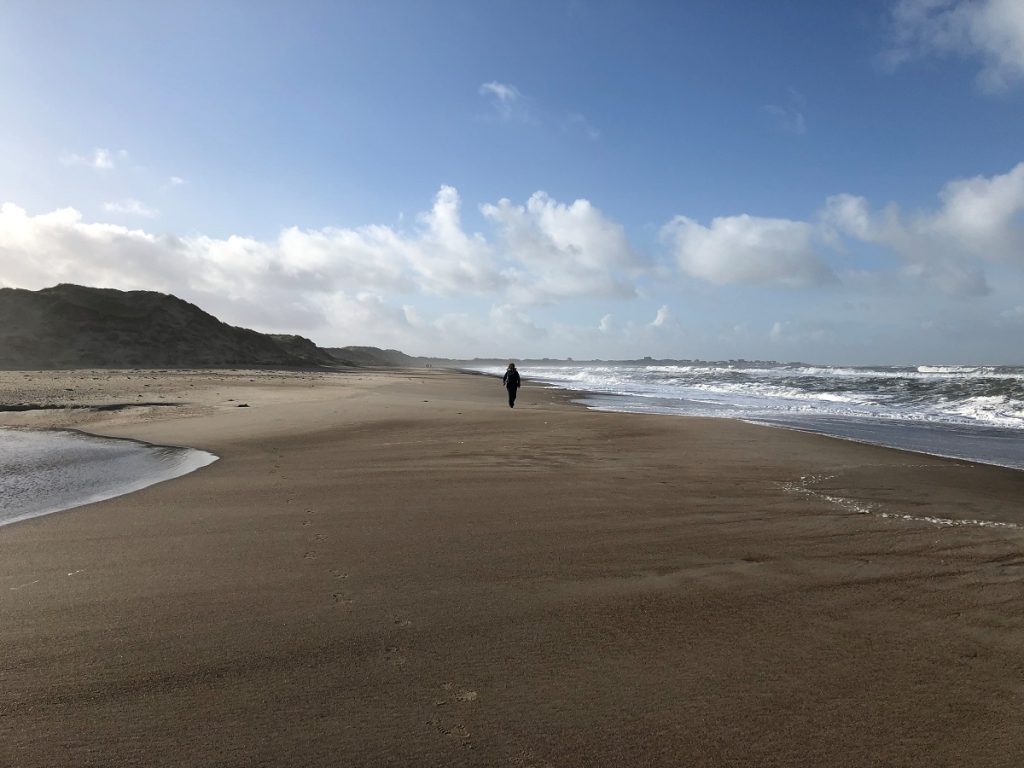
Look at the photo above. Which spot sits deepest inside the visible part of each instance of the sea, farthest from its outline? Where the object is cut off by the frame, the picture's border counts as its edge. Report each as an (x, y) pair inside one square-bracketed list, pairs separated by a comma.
[(959, 411), (43, 471)]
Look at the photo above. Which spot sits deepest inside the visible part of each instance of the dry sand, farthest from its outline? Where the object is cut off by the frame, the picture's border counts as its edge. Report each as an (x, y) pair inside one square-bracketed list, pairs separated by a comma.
[(397, 569)]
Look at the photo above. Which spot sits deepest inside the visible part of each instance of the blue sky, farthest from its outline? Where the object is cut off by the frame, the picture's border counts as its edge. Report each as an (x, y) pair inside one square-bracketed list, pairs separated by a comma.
[(828, 182)]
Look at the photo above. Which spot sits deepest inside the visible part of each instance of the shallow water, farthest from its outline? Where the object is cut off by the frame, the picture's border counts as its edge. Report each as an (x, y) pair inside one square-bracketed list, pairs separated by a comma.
[(987, 445), (44, 471)]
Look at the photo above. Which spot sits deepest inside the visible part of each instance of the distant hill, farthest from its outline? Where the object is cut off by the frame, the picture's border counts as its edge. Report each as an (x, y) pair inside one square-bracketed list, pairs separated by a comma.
[(71, 326), (302, 348), (374, 356)]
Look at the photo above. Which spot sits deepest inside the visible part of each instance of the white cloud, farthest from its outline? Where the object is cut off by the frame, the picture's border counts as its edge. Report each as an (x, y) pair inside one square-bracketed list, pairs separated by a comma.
[(951, 277), (337, 277), (981, 215), (513, 322), (992, 30), (100, 159), (847, 214), (366, 317), (558, 251), (448, 260), (512, 105), (979, 220), (505, 98), (131, 207), (390, 285), (747, 249), (175, 181), (36, 251), (501, 91), (662, 318), (789, 117)]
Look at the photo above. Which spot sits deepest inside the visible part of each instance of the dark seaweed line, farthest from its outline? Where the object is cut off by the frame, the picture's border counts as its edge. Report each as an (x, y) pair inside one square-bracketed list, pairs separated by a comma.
[(57, 407)]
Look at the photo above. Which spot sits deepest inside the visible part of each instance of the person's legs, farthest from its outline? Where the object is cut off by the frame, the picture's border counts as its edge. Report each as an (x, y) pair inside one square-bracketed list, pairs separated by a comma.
[(511, 397)]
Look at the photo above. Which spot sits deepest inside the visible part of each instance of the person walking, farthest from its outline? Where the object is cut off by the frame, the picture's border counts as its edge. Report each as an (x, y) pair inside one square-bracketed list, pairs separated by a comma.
[(512, 383)]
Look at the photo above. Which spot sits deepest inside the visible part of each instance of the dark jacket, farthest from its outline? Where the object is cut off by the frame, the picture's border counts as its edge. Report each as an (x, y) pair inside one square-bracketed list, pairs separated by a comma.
[(511, 379)]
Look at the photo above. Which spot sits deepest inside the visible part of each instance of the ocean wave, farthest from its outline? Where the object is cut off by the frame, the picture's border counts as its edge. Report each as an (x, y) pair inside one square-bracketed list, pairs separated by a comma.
[(963, 370), (970, 412), (962, 395)]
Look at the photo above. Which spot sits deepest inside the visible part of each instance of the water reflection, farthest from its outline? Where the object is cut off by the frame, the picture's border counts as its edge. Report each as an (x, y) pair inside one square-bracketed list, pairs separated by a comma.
[(43, 471)]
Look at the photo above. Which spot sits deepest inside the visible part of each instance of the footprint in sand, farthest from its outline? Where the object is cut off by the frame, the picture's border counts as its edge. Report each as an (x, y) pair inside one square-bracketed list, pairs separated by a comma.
[(456, 731), (340, 599), (338, 574), (394, 657), (320, 537), (310, 555), (528, 760), (451, 694)]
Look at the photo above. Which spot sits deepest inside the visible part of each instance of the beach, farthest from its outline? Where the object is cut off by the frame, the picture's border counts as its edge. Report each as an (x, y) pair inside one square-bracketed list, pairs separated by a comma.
[(394, 568)]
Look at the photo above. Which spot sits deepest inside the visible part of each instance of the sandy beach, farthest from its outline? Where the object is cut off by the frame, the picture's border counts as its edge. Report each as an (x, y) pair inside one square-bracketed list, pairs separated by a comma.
[(394, 568)]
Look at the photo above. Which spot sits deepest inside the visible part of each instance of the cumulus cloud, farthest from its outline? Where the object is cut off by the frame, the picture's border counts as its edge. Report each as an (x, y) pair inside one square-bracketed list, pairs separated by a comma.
[(437, 258), (978, 220), (447, 259), (267, 284), (338, 277), (662, 318), (367, 317), (513, 322), (991, 30), (747, 249), (36, 251), (386, 284), (981, 215), (131, 207), (557, 250)]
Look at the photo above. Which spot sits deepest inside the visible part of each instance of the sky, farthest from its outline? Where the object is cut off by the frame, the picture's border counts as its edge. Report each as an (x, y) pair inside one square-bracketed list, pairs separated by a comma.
[(830, 182)]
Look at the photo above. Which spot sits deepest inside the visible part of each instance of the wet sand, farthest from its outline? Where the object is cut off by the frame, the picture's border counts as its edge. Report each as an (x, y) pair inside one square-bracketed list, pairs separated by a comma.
[(397, 569)]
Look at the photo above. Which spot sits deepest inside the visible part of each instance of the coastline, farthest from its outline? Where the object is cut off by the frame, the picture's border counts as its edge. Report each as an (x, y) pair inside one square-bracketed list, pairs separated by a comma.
[(983, 443), (395, 568)]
